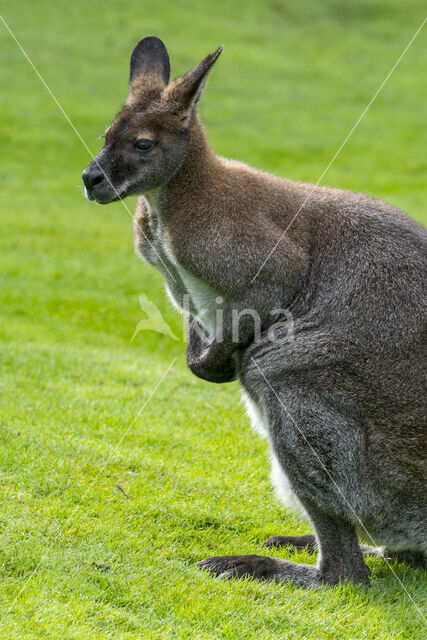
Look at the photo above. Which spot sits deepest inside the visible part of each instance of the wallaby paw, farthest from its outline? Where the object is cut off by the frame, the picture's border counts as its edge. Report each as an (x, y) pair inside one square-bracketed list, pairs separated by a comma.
[(227, 374), (228, 567), (294, 543)]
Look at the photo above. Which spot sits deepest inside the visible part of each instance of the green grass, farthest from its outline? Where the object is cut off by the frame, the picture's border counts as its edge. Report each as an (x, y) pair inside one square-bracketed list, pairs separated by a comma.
[(80, 559)]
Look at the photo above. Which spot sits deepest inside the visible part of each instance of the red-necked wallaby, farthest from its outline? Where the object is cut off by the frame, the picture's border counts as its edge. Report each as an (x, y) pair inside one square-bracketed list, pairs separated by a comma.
[(341, 396)]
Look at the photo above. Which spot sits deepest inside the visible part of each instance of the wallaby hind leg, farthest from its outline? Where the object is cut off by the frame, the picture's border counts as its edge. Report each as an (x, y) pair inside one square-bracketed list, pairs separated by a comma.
[(341, 558), (340, 554), (309, 543)]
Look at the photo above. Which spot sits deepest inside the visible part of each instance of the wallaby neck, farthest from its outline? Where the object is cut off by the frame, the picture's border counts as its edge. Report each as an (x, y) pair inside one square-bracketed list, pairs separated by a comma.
[(201, 160), (189, 183)]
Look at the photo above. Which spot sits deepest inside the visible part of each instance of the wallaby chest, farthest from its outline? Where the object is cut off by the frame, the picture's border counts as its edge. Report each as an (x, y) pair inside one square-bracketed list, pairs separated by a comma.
[(187, 291)]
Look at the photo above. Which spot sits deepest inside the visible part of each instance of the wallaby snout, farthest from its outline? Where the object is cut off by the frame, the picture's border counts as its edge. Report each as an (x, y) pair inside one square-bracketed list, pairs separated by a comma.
[(100, 184), (92, 177)]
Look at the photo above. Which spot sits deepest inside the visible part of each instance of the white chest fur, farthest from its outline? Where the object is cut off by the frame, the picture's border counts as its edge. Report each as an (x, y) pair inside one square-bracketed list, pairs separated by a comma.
[(202, 297)]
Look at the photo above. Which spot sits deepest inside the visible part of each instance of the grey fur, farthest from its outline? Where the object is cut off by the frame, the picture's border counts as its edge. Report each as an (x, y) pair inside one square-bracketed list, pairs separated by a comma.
[(342, 399)]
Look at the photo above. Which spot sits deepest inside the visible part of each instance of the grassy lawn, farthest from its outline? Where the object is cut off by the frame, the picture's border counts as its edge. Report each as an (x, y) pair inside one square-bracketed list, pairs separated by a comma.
[(114, 477)]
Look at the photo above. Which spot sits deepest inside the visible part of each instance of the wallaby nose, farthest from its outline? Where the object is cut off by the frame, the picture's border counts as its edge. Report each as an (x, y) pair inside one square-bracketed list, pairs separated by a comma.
[(92, 177)]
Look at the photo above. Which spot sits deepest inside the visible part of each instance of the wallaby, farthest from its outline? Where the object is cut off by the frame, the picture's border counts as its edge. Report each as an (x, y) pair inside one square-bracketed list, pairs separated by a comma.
[(341, 396)]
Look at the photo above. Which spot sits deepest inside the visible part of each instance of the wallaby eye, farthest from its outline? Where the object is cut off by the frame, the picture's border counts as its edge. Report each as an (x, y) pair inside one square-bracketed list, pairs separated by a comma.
[(144, 145)]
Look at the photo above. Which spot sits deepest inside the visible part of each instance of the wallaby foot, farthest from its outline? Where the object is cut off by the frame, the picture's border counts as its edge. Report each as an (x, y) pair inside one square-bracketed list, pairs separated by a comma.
[(307, 543), (341, 559), (415, 559), (265, 568), (262, 568)]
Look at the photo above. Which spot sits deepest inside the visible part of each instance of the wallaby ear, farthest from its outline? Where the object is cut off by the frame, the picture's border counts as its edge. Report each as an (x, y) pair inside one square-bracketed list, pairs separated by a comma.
[(187, 89), (150, 58)]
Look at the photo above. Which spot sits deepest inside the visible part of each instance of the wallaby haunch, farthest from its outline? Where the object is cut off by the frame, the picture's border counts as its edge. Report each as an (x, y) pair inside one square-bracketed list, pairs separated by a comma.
[(341, 396)]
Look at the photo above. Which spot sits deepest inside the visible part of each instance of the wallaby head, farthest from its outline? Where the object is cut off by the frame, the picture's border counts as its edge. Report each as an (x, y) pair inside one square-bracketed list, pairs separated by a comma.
[(148, 141)]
